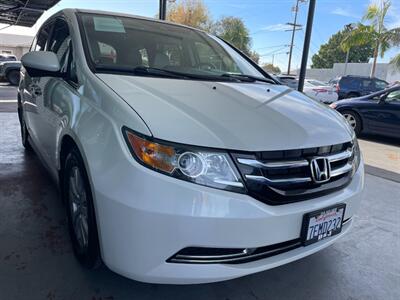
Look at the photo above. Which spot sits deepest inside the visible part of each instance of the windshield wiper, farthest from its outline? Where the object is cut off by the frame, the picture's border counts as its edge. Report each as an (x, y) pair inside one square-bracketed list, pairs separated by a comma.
[(151, 70), (141, 70), (159, 72), (248, 78)]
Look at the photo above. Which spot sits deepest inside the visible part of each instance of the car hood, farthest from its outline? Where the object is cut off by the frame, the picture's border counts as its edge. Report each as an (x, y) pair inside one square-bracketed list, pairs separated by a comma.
[(230, 115)]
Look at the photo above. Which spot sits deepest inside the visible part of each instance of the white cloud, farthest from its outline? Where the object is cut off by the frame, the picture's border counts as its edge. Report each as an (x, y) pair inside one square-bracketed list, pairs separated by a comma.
[(344, 13), (277, 27)]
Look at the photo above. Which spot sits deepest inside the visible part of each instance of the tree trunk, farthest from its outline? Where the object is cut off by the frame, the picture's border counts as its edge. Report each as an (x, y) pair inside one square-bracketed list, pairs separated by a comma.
[(373, 68)]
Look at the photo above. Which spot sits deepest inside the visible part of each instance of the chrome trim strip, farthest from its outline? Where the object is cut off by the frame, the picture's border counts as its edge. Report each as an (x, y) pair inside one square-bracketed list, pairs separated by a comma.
[(340, 156), (238, 259), (346, 221), (272, 165), (342, 170), (244, 252), (283, 180)]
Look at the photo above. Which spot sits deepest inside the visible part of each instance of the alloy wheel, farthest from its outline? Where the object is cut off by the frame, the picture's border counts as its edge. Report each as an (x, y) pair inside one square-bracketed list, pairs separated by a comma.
[(351, 120), (79, 207)]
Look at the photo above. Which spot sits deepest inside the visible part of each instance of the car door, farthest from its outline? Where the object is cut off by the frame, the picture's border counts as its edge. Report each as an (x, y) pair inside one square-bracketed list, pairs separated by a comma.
[(384, 116), (57, 92), (391, 106), (31, 93)]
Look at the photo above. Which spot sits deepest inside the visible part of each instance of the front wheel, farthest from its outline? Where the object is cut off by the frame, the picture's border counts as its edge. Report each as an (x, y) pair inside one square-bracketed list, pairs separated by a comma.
[(80, 211), (13, 77), (354, 120), (24, 131)]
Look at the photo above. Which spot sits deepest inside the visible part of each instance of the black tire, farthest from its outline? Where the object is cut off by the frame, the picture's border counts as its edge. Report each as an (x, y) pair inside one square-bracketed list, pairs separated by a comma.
[(87, 254), (354, 119), (24, 131), (13, 77)]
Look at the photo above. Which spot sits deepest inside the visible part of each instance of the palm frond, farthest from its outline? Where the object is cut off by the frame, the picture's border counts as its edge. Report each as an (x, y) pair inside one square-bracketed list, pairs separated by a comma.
[(360, 36), (393, 36), (395, 61), (371, 13), (383, 47)]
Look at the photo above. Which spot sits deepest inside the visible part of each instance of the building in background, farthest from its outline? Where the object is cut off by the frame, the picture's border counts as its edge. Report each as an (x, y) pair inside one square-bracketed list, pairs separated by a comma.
[(384, 71), (14, 44)]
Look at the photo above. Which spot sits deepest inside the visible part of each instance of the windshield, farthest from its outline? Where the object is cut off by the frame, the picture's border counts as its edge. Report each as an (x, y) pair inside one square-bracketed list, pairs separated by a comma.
[(115, 43)]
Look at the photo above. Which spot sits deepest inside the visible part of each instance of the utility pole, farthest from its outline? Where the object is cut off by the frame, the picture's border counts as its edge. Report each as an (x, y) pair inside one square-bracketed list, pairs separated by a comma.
[(346, 62), (295, 27), (349, 27), (163, 9), (307, 40)]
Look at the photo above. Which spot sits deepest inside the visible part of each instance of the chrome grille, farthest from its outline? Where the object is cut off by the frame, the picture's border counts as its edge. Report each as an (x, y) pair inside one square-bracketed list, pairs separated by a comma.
[(278, 177)]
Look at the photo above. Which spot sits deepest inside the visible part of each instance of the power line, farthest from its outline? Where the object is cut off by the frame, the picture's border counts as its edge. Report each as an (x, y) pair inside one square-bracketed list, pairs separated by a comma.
[(294, 29), (269, 47)]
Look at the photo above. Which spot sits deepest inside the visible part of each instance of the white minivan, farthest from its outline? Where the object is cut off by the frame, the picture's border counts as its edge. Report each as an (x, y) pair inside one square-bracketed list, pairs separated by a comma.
[(179, 159)]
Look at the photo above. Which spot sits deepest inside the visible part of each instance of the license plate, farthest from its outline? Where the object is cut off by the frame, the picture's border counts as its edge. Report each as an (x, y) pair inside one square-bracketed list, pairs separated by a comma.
[(322, 224)]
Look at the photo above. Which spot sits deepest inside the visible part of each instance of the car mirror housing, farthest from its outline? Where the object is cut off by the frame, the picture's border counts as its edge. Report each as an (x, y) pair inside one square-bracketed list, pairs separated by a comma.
[(382, 99), (41, 63)]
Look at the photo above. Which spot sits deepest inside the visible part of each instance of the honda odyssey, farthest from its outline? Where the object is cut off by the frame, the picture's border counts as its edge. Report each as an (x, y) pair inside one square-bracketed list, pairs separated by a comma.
[(179, 160)]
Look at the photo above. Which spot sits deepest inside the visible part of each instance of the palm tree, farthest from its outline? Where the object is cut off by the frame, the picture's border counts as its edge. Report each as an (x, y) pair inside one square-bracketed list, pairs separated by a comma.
[(376, 33)]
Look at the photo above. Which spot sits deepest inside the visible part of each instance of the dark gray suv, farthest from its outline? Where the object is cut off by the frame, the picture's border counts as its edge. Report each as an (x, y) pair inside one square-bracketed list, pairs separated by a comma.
[(351, 86)]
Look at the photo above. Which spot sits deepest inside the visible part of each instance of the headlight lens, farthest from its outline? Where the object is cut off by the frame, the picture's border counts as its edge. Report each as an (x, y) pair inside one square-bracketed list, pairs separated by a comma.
[(356, 155), (202, 166), (333, 105)]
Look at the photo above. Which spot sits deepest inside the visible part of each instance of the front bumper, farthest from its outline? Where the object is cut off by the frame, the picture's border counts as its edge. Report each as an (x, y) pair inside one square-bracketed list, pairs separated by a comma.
[(145, 217)]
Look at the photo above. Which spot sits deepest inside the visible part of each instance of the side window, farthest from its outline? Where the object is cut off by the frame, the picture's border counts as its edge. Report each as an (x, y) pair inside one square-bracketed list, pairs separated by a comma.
[(41, 39), (393, 97), (380, 84), (33, 45), (366, 83), (350, 83), (60, 43)]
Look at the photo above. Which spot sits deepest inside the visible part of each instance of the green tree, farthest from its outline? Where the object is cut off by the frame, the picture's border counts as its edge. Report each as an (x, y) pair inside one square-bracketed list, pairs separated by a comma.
[(195, 13), (192, 13), (270, 68), (331, 52), (375, 32), (233, 30)]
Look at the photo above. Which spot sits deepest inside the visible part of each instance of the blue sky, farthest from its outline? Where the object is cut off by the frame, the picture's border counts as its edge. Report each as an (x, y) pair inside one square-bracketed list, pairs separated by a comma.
[(265, 19)]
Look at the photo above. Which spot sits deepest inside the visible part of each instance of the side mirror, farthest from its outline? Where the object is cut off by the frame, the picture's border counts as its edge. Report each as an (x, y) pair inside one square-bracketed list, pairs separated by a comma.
[(41, 64), (382, 99)]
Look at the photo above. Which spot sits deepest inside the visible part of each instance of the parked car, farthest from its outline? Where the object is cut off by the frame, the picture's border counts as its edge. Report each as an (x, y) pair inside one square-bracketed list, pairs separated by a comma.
[(377, 113), (7, 57), (10, 71), (290, 81), (320, 91), (351, 86), (178, 158), (313, 88)]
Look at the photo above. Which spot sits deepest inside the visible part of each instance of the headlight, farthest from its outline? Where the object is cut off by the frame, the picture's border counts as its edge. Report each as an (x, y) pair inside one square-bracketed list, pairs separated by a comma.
[(356, 155), (211, 168), (333, 105)]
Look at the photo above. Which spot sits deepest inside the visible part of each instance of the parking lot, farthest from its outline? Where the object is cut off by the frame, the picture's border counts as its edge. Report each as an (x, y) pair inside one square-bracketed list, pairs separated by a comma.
[(36, 259)]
